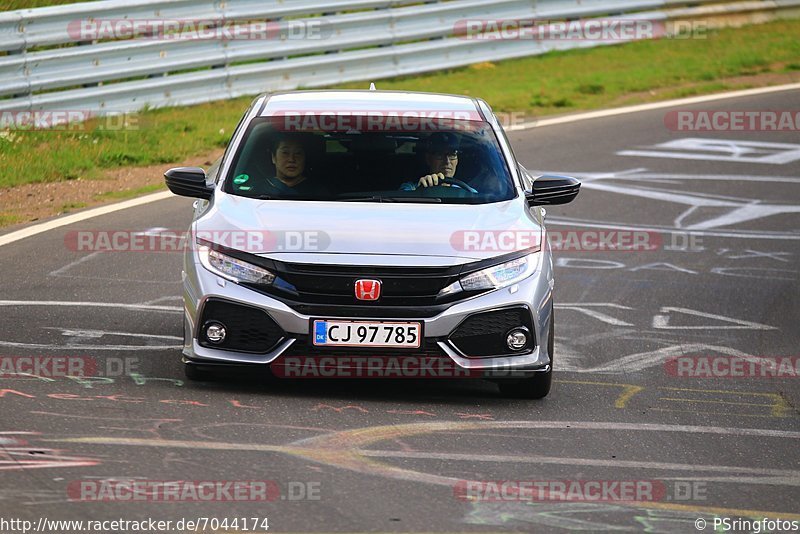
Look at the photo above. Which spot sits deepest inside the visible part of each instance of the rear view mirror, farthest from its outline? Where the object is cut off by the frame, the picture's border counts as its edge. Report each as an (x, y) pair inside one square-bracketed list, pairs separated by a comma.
[(551, 189), (188, 182)]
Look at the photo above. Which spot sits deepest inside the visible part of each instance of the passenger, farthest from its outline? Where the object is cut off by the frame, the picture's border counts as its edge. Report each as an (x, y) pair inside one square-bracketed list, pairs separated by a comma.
[(289, 155)]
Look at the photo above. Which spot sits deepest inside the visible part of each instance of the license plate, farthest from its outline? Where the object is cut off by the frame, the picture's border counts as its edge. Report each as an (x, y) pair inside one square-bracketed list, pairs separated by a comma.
[(366, 334)]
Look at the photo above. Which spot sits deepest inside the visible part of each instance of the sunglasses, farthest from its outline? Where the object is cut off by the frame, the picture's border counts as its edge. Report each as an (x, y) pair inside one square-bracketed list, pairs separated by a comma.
[(449, 155)]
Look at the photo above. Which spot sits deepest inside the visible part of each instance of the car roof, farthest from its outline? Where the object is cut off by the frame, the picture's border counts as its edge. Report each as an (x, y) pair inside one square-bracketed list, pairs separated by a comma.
[(338, 101)]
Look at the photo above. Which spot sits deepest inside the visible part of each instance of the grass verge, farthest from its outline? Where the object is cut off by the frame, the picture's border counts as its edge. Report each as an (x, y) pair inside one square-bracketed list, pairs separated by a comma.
[(13, 5), (609, 76), (557, 82)]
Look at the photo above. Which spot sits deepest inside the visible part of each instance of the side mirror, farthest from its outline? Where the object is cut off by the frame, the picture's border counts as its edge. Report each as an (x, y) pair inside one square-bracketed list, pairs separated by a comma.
[(188, 182), (550, 189)]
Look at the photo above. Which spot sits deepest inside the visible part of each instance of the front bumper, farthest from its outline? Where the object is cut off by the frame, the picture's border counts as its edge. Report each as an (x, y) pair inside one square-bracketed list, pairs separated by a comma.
[(533, 294)]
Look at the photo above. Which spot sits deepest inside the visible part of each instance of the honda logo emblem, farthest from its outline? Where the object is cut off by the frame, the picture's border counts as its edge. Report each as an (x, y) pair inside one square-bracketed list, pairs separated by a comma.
[(368, 289)]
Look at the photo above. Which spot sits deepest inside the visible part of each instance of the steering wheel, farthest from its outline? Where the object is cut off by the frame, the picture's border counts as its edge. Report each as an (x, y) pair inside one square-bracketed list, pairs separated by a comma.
[(455, 182)]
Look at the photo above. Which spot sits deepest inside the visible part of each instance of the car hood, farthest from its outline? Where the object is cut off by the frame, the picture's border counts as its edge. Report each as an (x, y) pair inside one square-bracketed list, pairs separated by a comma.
[(344, 232)]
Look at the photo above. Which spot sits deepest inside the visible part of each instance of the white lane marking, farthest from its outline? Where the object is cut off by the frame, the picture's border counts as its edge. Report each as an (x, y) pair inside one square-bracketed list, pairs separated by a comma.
[(744, 234), (60, 271), (661, 177), (794, 476), (662, 321), (742, 210), (766, 481), (644, 360), (767, 273), (82, 216), (585, 309), (739, 209), (95, 334), (649, 427), (654, 105), (163, 299), (596, 304), (665, 195), (155, 231), (729, 150), (748, 212), (741, 272), (90, 305), (119, 280), (773, 160), (777, 256), (88, 347), (88, 214)]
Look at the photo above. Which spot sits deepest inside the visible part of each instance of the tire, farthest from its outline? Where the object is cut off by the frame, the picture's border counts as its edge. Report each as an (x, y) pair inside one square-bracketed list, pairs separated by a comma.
[(537, 386), (221, 372), (196, 373)]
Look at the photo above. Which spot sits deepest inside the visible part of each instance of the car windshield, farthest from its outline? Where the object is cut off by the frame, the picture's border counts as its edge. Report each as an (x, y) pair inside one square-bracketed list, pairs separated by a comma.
[(363, 160)]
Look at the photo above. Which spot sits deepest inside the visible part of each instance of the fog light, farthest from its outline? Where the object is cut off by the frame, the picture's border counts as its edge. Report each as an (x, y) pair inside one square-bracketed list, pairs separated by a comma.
[(215, 333), (518, 338)]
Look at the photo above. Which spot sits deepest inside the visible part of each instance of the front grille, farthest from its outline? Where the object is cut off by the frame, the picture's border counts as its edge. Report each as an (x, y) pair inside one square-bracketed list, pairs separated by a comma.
[(484, 334), (329, 290), (365, 311), (335, 285), (248, 329)]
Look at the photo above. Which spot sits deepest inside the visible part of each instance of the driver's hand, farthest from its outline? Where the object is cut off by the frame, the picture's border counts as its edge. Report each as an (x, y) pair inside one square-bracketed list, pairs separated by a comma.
[(431, 179)]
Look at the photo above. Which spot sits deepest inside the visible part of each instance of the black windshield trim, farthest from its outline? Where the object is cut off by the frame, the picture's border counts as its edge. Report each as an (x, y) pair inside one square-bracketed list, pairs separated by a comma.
[(507, 173)]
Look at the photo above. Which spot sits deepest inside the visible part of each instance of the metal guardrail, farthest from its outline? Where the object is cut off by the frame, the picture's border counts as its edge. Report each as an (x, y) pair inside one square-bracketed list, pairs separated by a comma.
[(372, 39)]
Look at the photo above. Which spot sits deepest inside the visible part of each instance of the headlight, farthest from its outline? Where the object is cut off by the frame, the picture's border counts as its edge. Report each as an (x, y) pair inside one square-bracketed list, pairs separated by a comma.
[(233, 269), (500, 275)]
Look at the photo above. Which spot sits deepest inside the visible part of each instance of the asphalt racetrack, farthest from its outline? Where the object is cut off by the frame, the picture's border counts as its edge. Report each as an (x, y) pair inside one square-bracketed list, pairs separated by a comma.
[(359, 455)]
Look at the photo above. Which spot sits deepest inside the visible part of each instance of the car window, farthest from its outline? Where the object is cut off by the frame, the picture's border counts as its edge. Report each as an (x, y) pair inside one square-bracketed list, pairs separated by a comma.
[(385, 163)]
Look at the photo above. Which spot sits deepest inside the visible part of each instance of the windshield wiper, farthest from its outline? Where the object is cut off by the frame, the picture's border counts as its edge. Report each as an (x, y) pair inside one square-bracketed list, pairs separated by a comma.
[(288, 197), (368, 198), (376, 198), (434, 200)]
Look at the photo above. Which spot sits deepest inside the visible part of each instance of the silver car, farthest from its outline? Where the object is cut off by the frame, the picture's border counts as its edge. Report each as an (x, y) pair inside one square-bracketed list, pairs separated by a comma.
[(347, 233)]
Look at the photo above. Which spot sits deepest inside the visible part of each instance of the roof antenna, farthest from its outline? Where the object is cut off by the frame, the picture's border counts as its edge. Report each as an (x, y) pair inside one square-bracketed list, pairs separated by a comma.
[(371, 86)]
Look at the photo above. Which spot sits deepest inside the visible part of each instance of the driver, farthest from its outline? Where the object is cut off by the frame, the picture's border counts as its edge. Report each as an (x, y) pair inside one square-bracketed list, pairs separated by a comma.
[(441, 157)]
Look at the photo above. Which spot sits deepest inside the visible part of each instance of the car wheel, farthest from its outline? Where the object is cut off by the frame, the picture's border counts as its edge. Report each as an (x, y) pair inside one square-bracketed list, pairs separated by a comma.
[(196, 373), (537, 386)]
